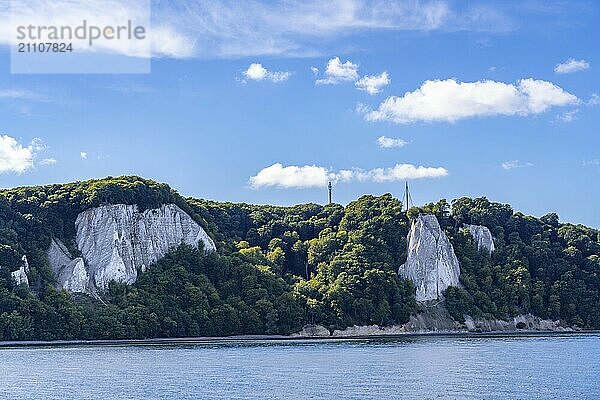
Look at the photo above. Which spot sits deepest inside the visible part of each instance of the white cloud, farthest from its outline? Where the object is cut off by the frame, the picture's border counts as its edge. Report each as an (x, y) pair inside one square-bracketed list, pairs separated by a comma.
[(242, 28), (595, 162), (19, 94), (239, 28), (571, 65), (257, 72), (401, 172), (373, 84), (14, 157), (48, 161), (451, 100), (594, 100), (515, 164), (83, 155), (311, 176), (165, 38), (290, 177), (362, 108), (388, 143), (568, 116), (169, 40), (338, 72)]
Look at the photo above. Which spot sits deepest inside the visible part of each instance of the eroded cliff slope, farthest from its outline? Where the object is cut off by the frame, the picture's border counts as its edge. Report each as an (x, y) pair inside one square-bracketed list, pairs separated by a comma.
[(483, 237), (431, 263), (118, 241)]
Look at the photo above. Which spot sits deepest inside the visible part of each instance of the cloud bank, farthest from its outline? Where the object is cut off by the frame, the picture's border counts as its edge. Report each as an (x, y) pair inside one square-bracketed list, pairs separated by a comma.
[(241, 28), (450, 100), (313, 176)]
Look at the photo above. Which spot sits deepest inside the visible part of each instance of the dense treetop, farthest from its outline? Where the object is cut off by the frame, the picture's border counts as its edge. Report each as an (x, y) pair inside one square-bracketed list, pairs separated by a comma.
[(278, 268)]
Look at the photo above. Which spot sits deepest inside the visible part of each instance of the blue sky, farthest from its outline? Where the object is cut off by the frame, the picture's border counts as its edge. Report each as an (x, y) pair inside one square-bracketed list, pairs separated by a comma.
[(475, 96)]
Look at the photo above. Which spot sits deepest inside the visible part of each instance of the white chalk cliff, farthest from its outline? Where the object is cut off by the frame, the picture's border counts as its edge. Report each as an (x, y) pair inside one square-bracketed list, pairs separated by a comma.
[(118, 241), (431, 263), (20, 275), (71, 273), (483, 237)]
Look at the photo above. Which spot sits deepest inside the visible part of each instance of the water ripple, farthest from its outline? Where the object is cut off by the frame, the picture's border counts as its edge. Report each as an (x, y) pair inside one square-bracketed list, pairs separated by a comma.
[(513, 367)]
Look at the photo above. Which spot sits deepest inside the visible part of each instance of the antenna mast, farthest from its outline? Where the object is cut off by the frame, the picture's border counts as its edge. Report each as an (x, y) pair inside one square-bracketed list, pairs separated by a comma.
[(408, 197), (329, 187)]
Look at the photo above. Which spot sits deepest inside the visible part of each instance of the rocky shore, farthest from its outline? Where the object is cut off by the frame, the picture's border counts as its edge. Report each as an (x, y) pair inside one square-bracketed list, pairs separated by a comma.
[(435, 319)]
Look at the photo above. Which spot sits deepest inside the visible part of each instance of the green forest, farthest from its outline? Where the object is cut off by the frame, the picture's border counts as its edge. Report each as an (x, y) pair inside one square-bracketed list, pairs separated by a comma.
[(277, 269)]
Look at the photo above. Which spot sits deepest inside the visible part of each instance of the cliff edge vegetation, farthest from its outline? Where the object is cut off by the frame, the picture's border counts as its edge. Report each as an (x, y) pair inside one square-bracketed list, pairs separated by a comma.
[(277, 269)]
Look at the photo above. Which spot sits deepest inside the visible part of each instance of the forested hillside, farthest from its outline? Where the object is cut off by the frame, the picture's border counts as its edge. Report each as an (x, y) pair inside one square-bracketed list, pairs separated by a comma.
[(540, 266), (279, 268)]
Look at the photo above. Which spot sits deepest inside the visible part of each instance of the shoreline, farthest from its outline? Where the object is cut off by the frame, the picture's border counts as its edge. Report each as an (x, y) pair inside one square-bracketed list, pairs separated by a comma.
[(284, 338)]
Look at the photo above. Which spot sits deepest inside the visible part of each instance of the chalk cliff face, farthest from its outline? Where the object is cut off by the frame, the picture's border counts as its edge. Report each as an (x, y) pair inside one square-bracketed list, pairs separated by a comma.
[(118, 241), (20, 275), (483, 237), (431, 263), (71, 273)]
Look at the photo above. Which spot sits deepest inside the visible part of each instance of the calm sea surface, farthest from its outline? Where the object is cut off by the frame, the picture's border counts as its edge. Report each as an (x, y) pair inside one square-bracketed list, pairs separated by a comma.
[(524, 367)]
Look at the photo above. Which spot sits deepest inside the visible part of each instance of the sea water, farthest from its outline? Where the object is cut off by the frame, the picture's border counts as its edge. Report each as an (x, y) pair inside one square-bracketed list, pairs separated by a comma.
[(428, 367)]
